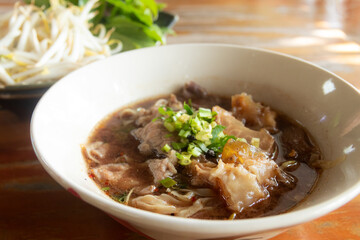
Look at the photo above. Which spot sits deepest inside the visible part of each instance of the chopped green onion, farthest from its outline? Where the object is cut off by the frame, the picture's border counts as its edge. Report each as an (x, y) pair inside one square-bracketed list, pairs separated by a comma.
[(221, 135), (178, 146), (205, 113), (184, 158), (185, 162), (255, 142), (168, 182), (195, 124), (166, 148), (202, 146), (188, 109), (162, 111), (194, 150), (178, 125), (169, 126), (155, 119), (105, 189), (203, 136), (169, 120), (169, 111), (183, 118), (184, 133), (197, 130), (121, 198)]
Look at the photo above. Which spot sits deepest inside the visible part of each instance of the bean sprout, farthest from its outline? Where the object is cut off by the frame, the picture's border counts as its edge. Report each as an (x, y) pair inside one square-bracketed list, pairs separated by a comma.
[(38, 45)]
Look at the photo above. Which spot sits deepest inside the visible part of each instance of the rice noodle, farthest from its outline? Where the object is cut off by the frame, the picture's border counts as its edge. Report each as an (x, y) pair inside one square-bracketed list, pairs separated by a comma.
[(34, 40), (196, 207), (183, 197), (168, 204), (154, 204), (95, 150)]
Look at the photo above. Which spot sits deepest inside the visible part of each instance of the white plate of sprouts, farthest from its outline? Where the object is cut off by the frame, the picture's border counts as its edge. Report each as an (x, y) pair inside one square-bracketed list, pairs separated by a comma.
[(39, 46)]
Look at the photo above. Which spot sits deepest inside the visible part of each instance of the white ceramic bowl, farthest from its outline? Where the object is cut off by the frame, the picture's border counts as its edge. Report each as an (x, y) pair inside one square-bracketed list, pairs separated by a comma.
[(323, 102)]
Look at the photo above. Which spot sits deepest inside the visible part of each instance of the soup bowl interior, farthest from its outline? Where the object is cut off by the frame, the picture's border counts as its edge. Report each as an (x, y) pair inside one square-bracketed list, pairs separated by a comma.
[(325, 104)]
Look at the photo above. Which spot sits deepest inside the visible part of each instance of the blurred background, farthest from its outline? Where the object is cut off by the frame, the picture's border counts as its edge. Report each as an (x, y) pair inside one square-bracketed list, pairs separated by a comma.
[(325, 32)]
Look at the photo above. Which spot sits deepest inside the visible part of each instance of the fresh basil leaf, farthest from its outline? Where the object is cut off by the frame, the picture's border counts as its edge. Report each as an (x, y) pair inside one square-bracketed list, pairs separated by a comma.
[(130, 33), (39, 3), (155, 33), (130, 10), (152, 5)]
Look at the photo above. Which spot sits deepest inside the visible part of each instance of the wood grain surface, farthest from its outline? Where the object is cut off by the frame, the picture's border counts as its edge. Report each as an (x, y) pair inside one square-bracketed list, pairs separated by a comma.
[(327, 33)]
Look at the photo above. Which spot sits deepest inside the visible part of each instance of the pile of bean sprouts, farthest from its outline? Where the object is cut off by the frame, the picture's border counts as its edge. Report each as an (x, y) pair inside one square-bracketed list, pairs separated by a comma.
[(38, 45)]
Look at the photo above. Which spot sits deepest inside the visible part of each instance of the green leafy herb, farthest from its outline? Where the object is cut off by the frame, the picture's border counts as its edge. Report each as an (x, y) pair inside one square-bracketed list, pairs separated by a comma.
[(121, 198), (135, 22), (218, 145), (216, 130), (188, 109), (162, 111), (178, 146), (157, 118), (105, 189)]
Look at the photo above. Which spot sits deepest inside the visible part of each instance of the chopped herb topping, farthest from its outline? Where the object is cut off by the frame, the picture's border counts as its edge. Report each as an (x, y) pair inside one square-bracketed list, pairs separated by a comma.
[(121, 198), (198, 132), (188, 109), (168, 182), (105, 189), (166, 148), (184, 158)]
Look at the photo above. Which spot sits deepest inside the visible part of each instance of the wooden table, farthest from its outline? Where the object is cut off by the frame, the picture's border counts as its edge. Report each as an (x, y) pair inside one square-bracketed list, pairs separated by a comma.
[(33, 206)]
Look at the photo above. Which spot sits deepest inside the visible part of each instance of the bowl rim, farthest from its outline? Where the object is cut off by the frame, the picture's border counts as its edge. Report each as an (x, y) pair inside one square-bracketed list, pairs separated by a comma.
[(280, 221)]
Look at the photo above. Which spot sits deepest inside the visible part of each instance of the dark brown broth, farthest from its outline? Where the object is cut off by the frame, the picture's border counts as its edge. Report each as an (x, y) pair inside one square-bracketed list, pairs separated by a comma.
[(282, 198)]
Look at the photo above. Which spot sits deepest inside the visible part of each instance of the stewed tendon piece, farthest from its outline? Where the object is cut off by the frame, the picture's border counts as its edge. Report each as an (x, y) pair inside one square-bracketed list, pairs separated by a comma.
[(253, 114), (236, 128)]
